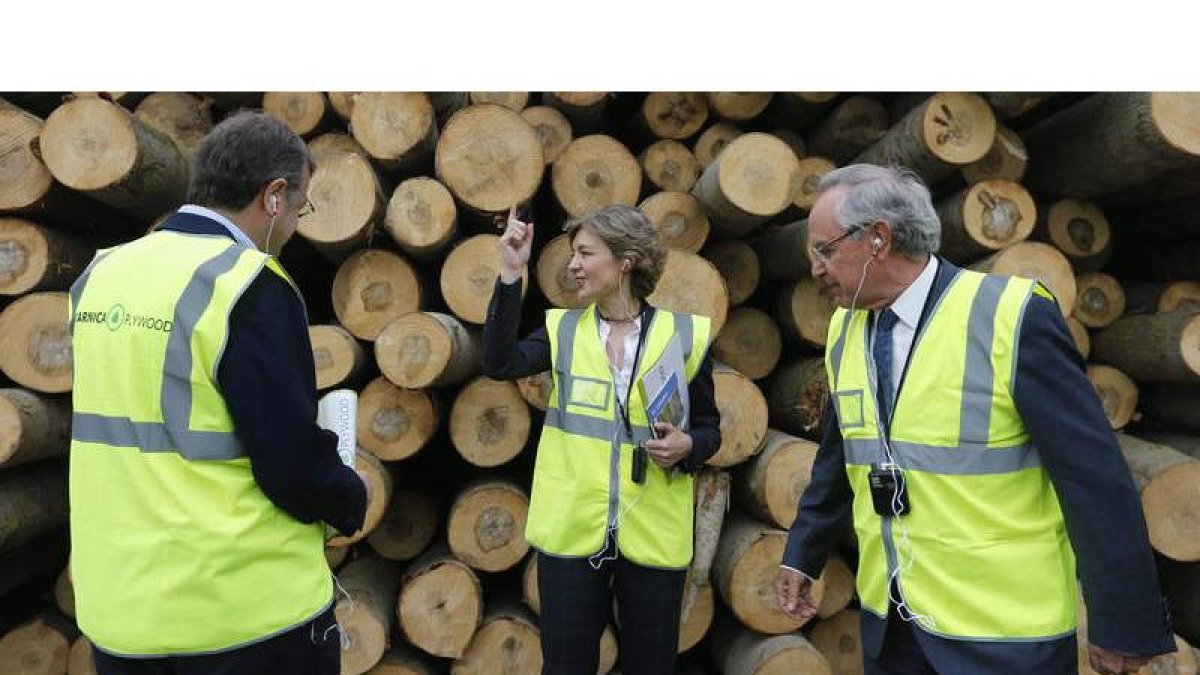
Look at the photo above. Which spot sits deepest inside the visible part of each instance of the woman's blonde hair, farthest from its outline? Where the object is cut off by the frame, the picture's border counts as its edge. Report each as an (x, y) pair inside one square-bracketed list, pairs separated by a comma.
[(629, 234)]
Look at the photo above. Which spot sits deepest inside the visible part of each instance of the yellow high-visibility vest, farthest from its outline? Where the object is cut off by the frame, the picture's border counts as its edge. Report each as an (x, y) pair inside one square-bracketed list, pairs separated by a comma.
[(582, 478), (984, 552), (174, 547)]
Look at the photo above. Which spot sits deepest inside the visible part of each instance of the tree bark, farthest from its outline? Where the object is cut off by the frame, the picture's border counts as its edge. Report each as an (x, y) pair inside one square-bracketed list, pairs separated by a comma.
[(796, 397), (36, 258), (741, 651), (32, 427), (854, 125), (783, 251), (1175, 405), (585, 109), (1005, 160), (33, 501), (944, 133), (754, 179), (737, 263), (1152, 347), (1150, 297)]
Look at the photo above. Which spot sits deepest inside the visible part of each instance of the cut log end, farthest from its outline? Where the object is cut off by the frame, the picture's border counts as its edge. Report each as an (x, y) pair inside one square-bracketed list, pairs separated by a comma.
[(553, 130), (595, 171), (302, 111), (489, 423), (395, 423), (486, 526), (89, 144), (674, 115), (1118, 394), (372, 288), (808, 177), (421, 216), (679, 218), (691, 285), (489, 157), (1099, 299), (958, 128), (670, 166), (743, 412)]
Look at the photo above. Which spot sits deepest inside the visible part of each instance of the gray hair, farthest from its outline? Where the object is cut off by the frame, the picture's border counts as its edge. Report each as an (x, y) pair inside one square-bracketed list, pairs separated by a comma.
[(893, 194), (628, 233), (241, 155)]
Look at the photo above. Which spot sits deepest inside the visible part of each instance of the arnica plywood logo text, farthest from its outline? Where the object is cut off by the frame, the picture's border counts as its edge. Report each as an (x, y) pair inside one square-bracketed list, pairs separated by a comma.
[(117, 318)]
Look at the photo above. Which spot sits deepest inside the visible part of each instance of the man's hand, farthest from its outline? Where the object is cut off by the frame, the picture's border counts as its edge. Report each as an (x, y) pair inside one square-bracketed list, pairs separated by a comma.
[(515, 246), (1105, 662), (793, 591), (671, 446)]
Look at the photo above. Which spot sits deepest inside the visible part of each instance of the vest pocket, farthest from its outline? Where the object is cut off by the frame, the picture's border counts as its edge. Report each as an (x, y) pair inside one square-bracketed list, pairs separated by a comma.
[(849, 406)]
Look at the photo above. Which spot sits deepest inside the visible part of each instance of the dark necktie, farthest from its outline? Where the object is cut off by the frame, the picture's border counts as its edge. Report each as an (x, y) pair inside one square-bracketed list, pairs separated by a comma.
[(881, 351)]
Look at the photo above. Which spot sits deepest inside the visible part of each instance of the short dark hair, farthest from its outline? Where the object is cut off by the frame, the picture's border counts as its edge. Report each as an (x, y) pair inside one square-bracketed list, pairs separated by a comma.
[(242, 154)]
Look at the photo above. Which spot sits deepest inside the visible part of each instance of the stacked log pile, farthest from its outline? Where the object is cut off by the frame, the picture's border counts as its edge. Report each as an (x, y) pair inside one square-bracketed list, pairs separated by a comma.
[(1097, 195)]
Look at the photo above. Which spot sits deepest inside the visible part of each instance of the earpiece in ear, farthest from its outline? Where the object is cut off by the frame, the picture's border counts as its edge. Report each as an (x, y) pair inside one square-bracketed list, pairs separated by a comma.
[(876, 244), (274, 204)]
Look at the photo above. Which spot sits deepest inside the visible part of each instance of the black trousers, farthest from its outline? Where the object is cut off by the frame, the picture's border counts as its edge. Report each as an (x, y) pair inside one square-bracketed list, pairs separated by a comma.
[(577, 600), (311, 649)]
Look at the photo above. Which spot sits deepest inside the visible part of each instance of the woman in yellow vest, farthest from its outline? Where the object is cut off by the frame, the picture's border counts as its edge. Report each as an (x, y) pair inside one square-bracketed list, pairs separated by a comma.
[(611, 506)]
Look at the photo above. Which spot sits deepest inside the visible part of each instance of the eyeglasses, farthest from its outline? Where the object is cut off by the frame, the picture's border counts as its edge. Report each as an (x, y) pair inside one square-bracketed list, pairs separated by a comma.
[(825, 251), (307, 210)]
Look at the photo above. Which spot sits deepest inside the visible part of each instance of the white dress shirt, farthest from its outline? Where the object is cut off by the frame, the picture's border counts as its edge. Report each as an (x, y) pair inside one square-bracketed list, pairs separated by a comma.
[(908, 307), (234, 230), (622, 375)]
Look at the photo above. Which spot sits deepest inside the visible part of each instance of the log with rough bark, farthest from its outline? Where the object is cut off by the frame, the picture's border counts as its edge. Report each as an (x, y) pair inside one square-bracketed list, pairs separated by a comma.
[(395, 423), (737, 263), (349, 203), (552, 128), (397, 129), (754, 179), (184, 118), (1152, 347), (679, 219), (337, 356), (1187, 444), (1078, 229), (783, 251), (306, 112), (35, 342), (944, 133), (743, 413), (984, 218), (595, 171), (469, 274), (80, 660), (673, 115), (745, 568), (402, 659), (750, 342), (1080, 336), (804, 310), (737, 106), (1169, 482), (427, 349), (1113, 140), (738, 650), (513, 100), (793, 140), (407, 528), (585, 109), (839, 640), (489, 422), (489, 158), (854, 125), (367, 611), (809, 173), (440, 604), (371, 289), (1118, 394), (1179, 583), (769, 486), (796, 396), (692, 285), (37, 258), (36, 647), (33, 501), (1099, 299), (1149, 297), (553, 278), (1009, 104), (99, 148), (799, 110), (1177, 406), (1174, 219), (712, 503), (485, 526), (40, 103), (507, 641), (1005, 160), (32, 427), (669, 165), (1035, 260), (379, 495), (421, 217), (712, 141)]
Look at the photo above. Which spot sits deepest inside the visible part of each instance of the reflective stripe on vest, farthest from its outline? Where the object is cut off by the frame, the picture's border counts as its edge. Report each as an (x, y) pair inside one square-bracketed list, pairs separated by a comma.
[(581, 484), (172, 435), (985, 554)]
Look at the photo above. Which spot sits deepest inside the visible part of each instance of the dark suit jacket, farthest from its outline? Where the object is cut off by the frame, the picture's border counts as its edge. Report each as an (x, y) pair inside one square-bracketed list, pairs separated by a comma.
[(1099, 501)]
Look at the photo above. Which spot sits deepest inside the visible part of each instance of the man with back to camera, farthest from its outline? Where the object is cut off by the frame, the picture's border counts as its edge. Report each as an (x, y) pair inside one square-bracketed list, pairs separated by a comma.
[(966, 444), (200, 483)]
